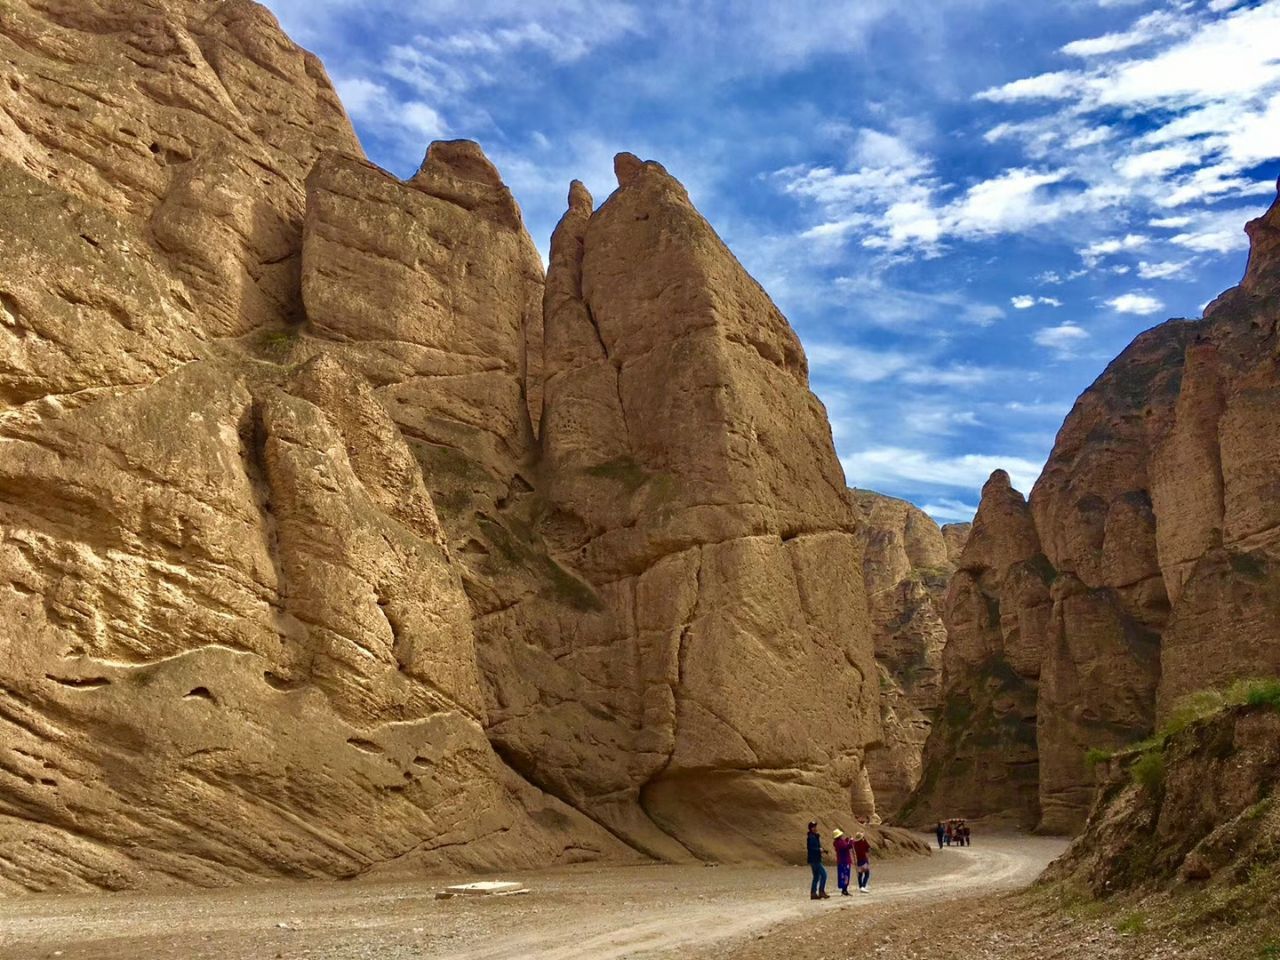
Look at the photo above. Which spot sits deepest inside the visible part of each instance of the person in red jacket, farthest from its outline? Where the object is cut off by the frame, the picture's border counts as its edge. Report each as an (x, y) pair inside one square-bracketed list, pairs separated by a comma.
[(862, 853), (844, 860)]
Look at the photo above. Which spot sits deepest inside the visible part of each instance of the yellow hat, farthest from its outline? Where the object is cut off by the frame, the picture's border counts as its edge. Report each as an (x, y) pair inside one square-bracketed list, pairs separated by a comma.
[(858, 836), (837, 833)]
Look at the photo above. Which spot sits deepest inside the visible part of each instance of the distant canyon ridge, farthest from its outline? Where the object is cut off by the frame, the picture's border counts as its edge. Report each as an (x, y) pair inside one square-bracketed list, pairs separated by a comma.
[(338, 538)]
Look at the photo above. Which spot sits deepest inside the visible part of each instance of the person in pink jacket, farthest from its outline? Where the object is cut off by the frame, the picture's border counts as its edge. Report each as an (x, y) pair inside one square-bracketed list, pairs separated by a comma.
[(844, 860)]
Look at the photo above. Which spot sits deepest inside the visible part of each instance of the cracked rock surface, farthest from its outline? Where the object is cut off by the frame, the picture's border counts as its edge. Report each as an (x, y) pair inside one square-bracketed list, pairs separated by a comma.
[(907, 563), (335, 541)]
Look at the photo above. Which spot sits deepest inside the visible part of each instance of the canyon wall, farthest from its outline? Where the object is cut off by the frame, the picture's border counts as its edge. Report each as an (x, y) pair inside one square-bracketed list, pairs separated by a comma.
[(335, 539), (1158, 520), (907, 562)]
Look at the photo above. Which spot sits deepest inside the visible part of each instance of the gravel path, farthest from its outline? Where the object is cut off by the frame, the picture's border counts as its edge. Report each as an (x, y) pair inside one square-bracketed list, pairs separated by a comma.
[(600, 913)]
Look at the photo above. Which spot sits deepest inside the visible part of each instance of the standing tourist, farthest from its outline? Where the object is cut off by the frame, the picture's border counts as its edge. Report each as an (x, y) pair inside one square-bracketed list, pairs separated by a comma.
[(940, 830), (862, 852), (818, 889), (844, 860)]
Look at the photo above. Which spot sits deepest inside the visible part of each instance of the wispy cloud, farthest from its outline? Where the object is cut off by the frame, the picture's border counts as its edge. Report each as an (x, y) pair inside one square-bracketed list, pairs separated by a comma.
[(946, 510), (1163, 270), (1025, 301), (1063, 339), (889, 465)]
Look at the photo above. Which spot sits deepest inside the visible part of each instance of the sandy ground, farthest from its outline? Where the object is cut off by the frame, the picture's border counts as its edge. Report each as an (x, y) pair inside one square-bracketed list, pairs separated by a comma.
[(601, 913)]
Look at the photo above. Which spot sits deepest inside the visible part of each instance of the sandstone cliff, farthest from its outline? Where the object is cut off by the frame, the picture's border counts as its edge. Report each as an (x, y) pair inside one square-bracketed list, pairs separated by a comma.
[(907, 562), (981, 754), (689, 479), (1158, 515), (333, 540)]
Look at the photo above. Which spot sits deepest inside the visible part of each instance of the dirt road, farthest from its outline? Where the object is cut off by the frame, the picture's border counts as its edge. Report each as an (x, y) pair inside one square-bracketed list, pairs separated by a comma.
[(602, 913)]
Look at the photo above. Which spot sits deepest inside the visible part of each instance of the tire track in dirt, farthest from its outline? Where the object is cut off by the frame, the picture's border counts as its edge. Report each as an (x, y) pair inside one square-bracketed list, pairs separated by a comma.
[(1000, 864)]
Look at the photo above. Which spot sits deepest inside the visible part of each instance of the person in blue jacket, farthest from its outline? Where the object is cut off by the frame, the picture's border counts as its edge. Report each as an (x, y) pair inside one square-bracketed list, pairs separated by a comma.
[(817, 889)]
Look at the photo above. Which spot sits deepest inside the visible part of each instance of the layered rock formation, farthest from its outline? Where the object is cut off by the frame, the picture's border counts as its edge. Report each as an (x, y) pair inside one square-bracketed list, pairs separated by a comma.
[(907, 562), (236, 643), (1159, 515), (320, 556), (688, 475), (981, 753)]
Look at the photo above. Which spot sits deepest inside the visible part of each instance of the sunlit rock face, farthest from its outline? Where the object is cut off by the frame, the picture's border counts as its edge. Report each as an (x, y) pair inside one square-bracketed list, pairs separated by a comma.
[(719, 676), (336, 541)]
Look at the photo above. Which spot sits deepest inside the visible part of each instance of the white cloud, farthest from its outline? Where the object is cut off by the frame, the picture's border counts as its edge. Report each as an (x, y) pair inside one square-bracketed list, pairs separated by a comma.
[(1054, 278), (947, 510), (890, 466), (1223, 58), (1006, 203), (858, 363), (1094, 252), (893, 307), (959, 375), (1063, 339), (1156, 162), (422, 120), (1054, 411), (1163, 270), (897, 207), (374, 107), (1216, 231), (1045, 86), (1139, 303), (1144, 30), (1169, 223), (1027, 301)]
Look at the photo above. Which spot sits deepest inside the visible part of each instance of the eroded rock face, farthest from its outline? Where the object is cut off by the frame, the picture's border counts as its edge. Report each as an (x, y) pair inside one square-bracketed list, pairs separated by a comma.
[(1159, 517), (1161, 827), (980, 758), (236, 644), (906, 565), (333, 541), (690, 480)]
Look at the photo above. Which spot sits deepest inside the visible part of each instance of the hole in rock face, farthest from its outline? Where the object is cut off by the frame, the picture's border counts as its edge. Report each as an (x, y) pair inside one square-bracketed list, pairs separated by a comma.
[(154, 148), (200, 693), (277, 682), (89, 240), (368, 746), (9, 307), (475, 548)]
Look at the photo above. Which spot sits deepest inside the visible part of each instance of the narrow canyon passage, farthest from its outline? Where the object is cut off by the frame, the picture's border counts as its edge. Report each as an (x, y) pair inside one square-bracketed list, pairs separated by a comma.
[(601, 913)]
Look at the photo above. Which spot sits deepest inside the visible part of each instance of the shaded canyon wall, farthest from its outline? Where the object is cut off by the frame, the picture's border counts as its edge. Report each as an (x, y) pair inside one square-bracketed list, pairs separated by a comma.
[(1146, 565)]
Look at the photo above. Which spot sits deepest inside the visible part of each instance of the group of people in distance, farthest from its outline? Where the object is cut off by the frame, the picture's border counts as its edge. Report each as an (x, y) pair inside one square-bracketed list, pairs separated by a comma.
[(952, 832), (848, 850)]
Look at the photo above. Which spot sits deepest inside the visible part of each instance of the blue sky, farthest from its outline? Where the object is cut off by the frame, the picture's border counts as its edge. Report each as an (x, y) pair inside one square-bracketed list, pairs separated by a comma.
[(965, 207)]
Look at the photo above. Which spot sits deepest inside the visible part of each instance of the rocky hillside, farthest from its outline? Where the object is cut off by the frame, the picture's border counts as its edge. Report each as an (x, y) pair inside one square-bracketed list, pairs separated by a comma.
[(334, 538), (1155, 825), (1146, 564), (906, 565)]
